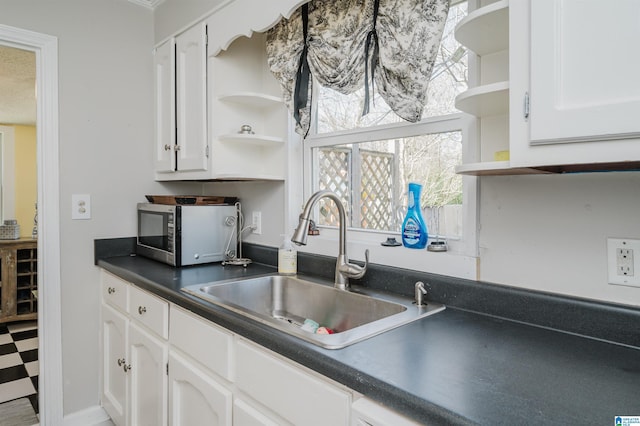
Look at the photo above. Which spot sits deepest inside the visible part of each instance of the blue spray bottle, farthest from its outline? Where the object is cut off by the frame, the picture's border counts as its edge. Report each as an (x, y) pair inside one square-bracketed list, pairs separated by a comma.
[(414, 229)]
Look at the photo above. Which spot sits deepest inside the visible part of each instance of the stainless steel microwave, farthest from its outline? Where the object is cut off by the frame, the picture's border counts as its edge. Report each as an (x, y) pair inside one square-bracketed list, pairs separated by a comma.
[(183, 235)]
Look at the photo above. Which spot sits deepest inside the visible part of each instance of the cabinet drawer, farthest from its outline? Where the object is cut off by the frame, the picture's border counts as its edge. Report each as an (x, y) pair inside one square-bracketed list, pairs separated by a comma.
[(115, 291), (369, 413), (203, 341), (291, 392), (150, 311)]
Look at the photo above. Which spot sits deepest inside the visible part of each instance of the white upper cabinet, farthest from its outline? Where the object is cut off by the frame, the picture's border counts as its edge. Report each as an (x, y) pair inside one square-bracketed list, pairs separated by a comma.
[(191, 98), (181, 105), (570, 90), (244, 93), (578, 74), (485, 31), (221, 88), (165, 107), (248, 17), (585, 70)]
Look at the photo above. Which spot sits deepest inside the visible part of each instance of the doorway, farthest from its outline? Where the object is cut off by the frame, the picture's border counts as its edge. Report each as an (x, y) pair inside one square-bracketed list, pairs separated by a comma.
[(19, 368), (45, 48)]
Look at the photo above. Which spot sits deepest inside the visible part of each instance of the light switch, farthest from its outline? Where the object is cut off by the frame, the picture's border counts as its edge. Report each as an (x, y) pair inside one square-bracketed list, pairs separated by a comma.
[(80, 206)]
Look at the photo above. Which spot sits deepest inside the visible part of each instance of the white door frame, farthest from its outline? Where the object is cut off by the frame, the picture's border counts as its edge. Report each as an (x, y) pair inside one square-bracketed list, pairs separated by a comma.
[(50, 331)]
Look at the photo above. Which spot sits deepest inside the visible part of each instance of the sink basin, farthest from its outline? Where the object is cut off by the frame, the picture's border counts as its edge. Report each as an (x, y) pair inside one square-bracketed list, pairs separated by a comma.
[(285, 302)]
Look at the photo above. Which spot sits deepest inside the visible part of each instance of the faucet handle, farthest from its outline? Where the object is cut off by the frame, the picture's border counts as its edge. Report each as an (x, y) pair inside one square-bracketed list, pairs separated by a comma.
[(420, 293), (356, 271)]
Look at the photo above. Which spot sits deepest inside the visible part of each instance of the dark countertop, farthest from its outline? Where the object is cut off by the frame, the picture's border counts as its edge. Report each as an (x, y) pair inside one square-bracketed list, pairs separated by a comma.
[(454, 367)]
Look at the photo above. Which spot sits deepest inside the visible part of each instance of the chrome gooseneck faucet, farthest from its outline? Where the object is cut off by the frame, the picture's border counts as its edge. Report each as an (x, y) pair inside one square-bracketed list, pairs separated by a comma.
[(344, 269)]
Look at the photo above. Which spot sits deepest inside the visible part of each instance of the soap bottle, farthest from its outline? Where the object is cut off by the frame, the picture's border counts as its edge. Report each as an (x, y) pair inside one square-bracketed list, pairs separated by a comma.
[(414, 228), (287, 258)]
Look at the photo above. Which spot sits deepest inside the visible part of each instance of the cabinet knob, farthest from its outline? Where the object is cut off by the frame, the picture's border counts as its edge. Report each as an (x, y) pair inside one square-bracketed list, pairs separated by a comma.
[(121, 362), (126, 367), (167, 147), (111, 290), (142, 310), (177, 147)]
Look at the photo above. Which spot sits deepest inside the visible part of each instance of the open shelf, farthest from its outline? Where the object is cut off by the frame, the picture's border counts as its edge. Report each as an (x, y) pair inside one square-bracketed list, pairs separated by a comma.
[(496, 168), (485, 30), (486, 100), (247, 177), (260, 140), (252, 99)]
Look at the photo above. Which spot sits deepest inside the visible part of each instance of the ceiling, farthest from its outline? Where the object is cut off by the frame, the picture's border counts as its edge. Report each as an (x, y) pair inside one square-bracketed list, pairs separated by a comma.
[(17, 86), (150, 4)]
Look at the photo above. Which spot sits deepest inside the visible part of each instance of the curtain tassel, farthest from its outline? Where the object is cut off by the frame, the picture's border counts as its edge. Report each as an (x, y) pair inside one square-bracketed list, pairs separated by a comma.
[(372, 37), (303, 75)]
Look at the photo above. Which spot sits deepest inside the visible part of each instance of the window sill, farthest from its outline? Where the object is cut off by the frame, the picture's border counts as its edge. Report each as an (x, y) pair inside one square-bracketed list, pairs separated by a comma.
[(448, 263)]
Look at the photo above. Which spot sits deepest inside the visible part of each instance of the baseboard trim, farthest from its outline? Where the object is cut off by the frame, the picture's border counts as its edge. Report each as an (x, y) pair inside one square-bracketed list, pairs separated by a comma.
[(91, 416)]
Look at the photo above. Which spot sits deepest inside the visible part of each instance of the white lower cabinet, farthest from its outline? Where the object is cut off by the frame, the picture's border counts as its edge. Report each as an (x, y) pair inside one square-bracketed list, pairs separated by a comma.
[(199, 371), (195, 397), (203, 341), (114, 381), (369, 413), (164, 365), (288, 390), (244, 414), (134, 357), (148, 378)]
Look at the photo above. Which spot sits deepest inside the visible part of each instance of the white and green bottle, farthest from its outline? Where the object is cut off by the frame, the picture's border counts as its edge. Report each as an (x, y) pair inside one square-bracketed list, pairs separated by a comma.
[(287, 258)]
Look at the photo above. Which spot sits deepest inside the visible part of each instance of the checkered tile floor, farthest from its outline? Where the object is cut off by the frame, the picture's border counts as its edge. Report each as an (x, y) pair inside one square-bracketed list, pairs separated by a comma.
[(19, 362)]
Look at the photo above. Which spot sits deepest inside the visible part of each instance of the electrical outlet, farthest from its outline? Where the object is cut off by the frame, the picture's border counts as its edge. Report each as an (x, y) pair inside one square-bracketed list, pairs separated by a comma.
[(622, 255), (256, 222), (80, 206), (624, 261)]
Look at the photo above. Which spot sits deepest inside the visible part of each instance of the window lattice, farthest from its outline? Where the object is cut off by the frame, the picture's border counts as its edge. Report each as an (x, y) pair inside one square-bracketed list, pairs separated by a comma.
[(374, 191), (376, 197), (335, 176)]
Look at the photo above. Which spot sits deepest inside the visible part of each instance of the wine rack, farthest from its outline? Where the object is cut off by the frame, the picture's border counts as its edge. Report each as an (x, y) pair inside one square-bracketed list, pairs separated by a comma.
[(18, 280)]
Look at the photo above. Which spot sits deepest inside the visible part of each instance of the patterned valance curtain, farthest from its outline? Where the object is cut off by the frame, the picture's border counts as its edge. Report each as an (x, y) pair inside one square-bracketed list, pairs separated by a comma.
[(348, 44)]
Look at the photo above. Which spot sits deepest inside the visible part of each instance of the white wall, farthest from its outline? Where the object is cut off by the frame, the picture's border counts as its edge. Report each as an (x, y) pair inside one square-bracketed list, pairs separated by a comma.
[(172, 16), (549, 232), (265, 197), (105, 110)]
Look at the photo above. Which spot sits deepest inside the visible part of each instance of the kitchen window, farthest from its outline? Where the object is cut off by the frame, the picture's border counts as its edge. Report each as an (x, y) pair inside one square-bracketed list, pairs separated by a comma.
[(369, 160)]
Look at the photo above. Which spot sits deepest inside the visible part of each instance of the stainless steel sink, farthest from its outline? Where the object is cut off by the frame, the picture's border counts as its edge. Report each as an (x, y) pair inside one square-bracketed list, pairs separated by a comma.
[(284, 302)]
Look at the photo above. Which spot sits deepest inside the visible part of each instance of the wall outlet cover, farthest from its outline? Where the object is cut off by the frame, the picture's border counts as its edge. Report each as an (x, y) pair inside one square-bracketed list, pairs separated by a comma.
[(81, 206), (623, 261)]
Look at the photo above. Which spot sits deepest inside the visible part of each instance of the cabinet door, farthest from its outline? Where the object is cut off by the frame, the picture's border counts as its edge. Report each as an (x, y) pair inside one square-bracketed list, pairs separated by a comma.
[(147, 372), (289, 390), (584, 70), (246, 415), (191, 94), (205, 342), (165, 101), (195, 398), (115, 357)]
